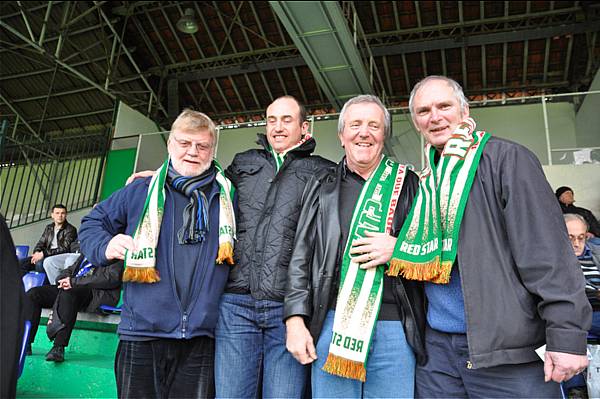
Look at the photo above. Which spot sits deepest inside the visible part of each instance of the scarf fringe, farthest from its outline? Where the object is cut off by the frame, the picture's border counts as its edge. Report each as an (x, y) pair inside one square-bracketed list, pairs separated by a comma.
[(444, 276), (225, 253), (140, 275), (346, 368)]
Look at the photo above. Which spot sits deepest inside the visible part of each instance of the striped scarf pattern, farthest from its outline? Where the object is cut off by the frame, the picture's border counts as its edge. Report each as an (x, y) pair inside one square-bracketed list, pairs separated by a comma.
[(195, 215), (359, 297), (429, 241), (140, 265)]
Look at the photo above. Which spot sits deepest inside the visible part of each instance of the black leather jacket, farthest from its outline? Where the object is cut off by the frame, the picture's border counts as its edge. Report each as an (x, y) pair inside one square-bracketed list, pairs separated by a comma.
[(267, 216), (318, 249), (105, 283), (66, 236)]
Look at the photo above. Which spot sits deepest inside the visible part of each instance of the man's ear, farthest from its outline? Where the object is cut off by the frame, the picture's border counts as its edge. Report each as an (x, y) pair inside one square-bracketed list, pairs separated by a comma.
[(466, 111), (305, 125)]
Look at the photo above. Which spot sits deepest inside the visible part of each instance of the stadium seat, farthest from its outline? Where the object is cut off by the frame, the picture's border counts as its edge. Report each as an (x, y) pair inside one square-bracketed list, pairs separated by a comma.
[(22, 251), (23, 353), (33, 279), (110, 309)]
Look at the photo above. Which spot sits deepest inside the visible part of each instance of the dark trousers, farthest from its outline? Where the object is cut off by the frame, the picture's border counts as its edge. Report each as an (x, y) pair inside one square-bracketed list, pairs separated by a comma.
[(446, 374), (27, 267), (69, 303), (166, 368)]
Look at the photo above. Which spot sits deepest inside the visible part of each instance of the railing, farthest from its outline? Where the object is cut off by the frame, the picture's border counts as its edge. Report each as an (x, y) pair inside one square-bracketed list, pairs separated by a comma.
[(35, 176)]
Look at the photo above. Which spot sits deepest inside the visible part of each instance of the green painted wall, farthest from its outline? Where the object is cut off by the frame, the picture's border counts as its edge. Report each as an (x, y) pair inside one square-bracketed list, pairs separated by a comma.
[(119, 166)]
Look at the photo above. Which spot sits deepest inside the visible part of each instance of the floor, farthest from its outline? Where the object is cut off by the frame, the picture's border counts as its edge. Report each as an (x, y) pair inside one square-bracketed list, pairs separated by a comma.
[(87, 371)]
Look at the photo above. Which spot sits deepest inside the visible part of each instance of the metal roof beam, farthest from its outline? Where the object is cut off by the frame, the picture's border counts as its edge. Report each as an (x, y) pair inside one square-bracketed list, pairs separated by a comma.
[(489, 38), (320, 31), (21, 119), (135, 66)]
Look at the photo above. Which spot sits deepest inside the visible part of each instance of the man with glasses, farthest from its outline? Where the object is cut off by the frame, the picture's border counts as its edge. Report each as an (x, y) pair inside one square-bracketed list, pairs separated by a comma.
[(175, 232)]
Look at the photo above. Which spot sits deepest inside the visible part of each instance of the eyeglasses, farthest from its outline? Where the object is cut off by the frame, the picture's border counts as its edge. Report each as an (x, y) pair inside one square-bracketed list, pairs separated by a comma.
[(186, 144)]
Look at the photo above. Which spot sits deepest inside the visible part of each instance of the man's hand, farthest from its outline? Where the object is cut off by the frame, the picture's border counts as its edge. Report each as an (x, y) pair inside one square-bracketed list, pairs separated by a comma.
[(298, 340), (559, 366), (118, 245), (373, 250), (139, 175), (65, 283), (36, 257)]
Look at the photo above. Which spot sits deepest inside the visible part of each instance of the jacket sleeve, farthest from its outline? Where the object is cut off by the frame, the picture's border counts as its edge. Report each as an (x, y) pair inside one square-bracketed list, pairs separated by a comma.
[(297, 300), (64, 244), (107, 219), (541, 250), (103, 278), (42, 243)]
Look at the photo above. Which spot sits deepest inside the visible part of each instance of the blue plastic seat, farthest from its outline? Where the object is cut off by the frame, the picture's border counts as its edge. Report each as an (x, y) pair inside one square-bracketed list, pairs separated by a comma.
[(110, 309), (22, 251), (23, 353), (33, 279)]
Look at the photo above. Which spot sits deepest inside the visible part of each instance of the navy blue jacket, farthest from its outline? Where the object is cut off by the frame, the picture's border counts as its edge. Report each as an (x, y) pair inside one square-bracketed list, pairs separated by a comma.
[(156, 310)]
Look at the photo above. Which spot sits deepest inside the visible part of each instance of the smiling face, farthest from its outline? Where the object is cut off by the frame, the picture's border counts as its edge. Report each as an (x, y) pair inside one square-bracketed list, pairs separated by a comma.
[(363, 137), (437, 112), (284, 127), (191, 150)]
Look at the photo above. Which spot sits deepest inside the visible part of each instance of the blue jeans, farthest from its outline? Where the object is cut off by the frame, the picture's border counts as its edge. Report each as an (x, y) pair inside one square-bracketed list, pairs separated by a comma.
[(390, 366), (250, 338), (445, 375)]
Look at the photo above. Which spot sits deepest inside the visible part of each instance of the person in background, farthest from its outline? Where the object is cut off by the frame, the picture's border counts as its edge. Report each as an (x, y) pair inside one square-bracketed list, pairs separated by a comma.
[(81, 287), (566, 198), (585, 249), (56, 239)]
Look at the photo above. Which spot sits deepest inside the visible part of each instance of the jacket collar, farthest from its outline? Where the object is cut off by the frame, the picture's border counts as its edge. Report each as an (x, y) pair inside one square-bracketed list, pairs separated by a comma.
[(305, 149)]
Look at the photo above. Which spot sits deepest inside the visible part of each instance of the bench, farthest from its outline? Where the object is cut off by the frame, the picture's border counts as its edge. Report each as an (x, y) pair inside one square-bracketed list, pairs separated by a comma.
[(90, 321)]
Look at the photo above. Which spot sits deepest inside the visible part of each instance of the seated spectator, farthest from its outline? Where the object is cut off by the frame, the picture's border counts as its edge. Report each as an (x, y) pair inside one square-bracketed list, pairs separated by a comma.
[(584, 250), (54, 265), (81, 287), (56, 239), (566, 198)]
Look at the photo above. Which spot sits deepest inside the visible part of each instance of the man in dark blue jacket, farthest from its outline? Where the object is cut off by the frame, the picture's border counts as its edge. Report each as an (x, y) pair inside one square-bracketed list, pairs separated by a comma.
[(173, 231)]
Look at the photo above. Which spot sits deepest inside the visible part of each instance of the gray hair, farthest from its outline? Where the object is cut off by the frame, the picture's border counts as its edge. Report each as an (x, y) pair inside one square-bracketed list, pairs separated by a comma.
[(195, 120), (367, 98), (456, 88), (569, 217)]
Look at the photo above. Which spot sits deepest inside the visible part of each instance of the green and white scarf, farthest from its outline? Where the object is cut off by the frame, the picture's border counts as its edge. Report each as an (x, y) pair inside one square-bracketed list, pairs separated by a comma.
[(430, 232), (140, 265), (359, 297), (280, 156)]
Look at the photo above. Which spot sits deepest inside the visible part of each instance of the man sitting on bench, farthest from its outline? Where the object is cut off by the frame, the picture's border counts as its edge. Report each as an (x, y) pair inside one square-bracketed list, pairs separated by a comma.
[(80, 287)]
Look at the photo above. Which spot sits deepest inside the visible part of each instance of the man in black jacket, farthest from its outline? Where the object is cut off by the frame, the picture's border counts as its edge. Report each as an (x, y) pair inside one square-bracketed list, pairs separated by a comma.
[(250, 335), (512, 282), (12, 299), (339, 315), (80, 287), (56, 239), (566, 198)]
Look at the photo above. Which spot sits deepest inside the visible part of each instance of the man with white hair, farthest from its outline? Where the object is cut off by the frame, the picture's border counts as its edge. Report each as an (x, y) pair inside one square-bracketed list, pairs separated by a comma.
[(361, 330), (487, 237), (585, 249), (175, 232)]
